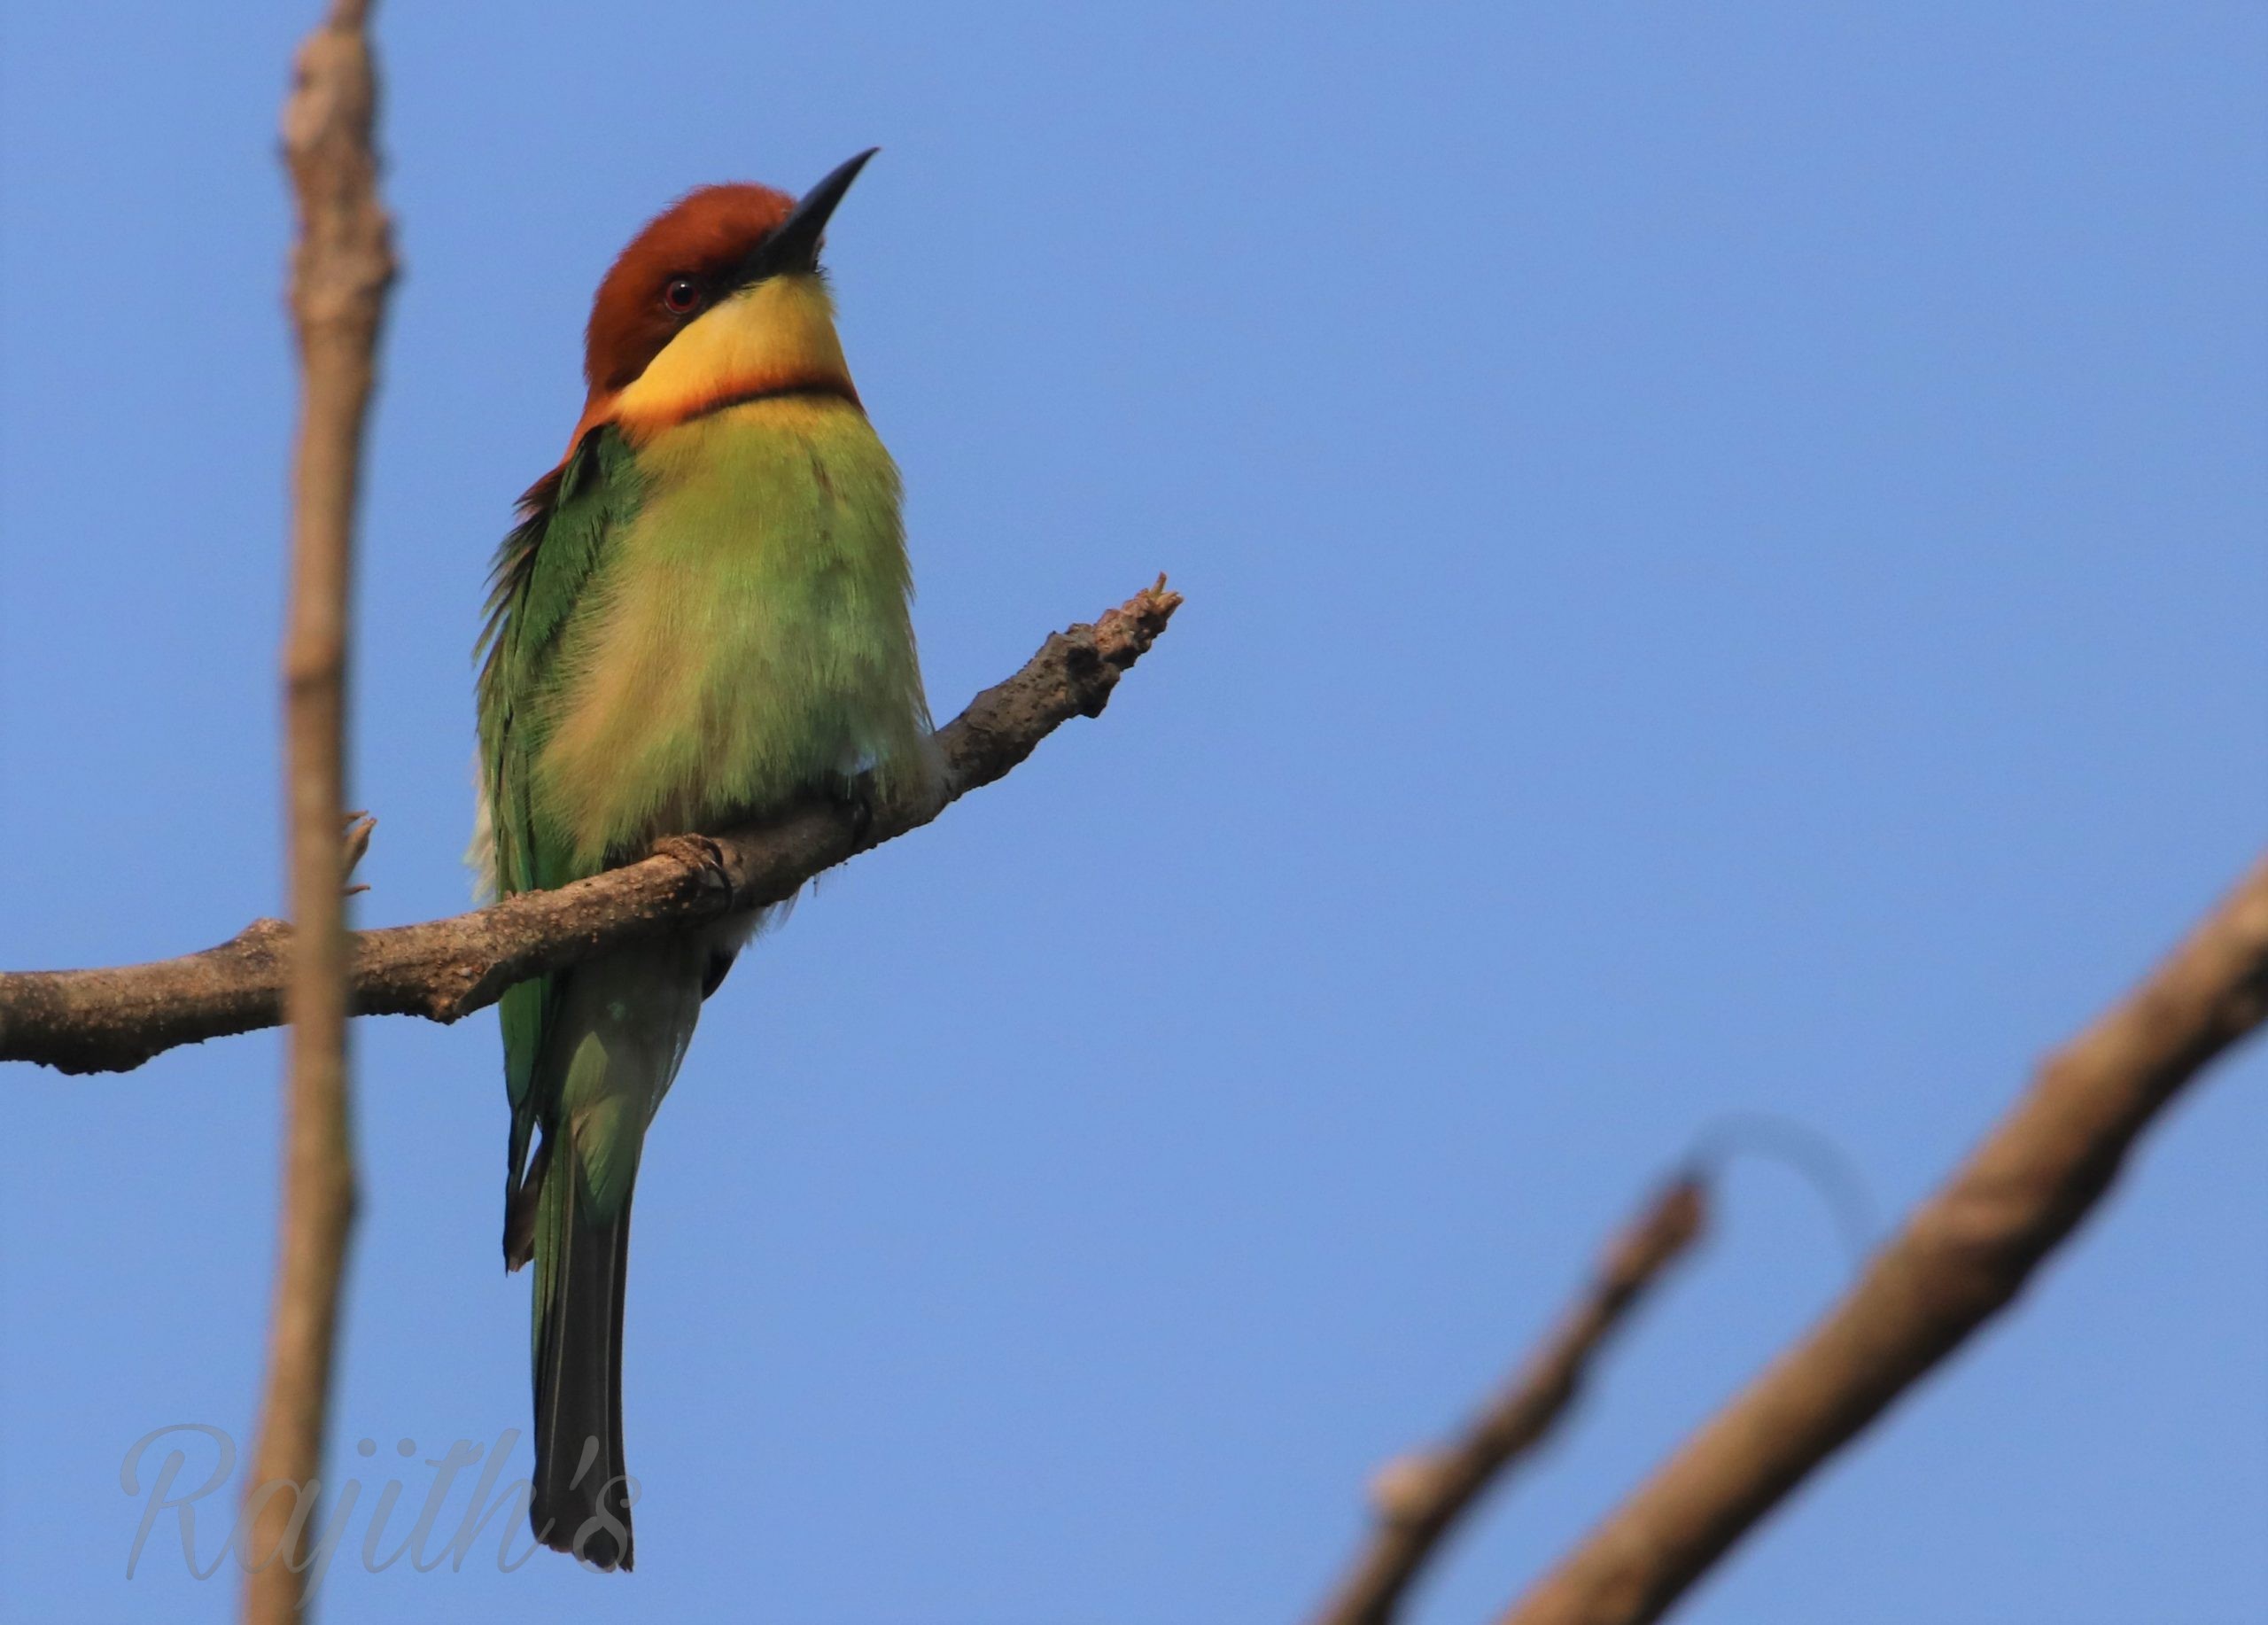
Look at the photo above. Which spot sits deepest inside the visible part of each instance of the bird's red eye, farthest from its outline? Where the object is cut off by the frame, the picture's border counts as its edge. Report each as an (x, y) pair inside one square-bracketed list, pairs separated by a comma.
[(682, 294)]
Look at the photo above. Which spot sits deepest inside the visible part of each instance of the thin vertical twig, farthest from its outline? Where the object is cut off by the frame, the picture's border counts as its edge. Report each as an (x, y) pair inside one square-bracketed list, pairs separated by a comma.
[(342, 266)]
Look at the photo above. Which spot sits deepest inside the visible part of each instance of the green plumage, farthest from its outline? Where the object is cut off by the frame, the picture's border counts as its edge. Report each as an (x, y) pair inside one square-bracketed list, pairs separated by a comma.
[(682, 634)]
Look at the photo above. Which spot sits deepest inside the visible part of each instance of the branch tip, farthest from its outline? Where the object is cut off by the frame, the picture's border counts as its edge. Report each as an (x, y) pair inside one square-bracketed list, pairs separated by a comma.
[(1419, 1496)]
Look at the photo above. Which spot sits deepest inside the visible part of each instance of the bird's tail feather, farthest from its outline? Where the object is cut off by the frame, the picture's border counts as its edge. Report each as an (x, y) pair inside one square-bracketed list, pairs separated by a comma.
[(581, 1500), (619, 1027)]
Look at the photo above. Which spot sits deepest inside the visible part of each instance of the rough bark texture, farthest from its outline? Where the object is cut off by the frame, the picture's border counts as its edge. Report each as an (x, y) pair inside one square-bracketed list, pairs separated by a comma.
[(1419, 1497), (1961, 1258), (341, 269), (111, 1020)]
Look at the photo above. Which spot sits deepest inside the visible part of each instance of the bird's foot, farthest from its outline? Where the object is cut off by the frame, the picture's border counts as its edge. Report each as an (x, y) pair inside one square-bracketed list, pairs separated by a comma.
[(857, 795)]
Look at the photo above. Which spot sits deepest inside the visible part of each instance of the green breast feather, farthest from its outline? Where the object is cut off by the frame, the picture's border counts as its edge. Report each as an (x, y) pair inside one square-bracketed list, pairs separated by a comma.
[(696, 630)]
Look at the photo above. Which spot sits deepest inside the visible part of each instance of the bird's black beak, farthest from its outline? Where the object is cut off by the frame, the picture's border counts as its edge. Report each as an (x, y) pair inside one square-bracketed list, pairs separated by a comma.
[(794, 247)]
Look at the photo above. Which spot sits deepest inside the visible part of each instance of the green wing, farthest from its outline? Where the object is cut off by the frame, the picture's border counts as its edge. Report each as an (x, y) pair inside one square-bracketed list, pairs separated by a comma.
[(538, 586)]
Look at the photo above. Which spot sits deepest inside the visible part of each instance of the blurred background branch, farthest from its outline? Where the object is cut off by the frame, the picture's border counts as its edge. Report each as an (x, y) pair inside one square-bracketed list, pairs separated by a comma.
[(1418, 1498), (1959, 1260), (341, 269)]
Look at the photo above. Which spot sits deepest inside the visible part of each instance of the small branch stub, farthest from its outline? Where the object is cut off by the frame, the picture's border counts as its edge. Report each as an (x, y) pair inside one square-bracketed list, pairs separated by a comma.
[(359, 826)]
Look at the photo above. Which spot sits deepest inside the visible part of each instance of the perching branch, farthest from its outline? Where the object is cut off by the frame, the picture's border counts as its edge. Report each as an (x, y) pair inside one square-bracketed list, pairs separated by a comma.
[(1418, 1497), (341, 269), (114, 1019), (1960, 1259)]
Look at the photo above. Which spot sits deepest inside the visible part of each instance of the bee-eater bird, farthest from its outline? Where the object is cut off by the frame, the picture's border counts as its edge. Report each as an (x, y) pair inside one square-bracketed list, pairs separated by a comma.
[(701, 616)]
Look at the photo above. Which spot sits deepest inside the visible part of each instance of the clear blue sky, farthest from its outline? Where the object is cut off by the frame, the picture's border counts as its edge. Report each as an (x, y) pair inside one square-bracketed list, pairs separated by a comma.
[(1724, 564)]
